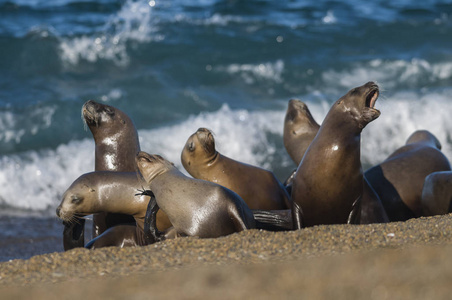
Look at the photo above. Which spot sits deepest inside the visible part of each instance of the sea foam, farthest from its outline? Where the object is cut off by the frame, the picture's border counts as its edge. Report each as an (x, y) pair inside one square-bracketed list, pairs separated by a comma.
[(133, 22)]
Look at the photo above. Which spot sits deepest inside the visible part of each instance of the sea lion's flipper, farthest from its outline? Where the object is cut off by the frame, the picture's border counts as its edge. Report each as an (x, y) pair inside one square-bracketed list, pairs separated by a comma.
[(74, 234), (355, 214), (117, 236), (297, 216), (273, 220), (289, 182), (151, 233), (372, 210)]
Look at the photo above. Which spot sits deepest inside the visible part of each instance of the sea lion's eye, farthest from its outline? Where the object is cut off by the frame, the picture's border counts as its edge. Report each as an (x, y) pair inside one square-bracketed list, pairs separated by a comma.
[(109, 110), (76, 200), (354, 91), (191, 146)]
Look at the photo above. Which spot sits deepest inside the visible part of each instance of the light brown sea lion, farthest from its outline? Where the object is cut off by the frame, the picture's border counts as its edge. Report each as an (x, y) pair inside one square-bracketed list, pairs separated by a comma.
[(195, 207), (113, 192), (259, 188), (437, 194), (399, 179), (300, 129), (328, 184), (116, 145)]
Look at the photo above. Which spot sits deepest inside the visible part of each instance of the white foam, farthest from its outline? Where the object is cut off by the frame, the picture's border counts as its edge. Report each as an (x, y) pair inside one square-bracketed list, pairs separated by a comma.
[(239, 134), (400, 116), (389, 73), (329, 18), (250, 72), (37, 180), (14, 126), (132, 23)]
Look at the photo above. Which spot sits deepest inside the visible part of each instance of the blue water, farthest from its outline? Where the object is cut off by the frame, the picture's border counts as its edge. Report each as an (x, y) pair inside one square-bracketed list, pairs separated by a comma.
[(176, 65)]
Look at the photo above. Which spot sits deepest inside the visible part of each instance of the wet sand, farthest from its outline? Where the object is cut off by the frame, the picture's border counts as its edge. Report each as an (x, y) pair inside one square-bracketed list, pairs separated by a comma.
[(404, 260)]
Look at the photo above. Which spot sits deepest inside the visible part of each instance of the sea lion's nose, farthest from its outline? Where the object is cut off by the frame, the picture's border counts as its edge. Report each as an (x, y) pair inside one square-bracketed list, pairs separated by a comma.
[(58, 211)]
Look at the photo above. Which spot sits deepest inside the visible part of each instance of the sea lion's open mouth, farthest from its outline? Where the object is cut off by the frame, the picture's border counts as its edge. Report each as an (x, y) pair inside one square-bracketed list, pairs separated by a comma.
[(372, 97)]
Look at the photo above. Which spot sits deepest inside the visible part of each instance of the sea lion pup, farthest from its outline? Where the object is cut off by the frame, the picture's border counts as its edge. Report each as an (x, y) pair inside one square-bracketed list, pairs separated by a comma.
[(195, 207), (259, 188), (399, 179), (113, 192), (300, 129), (329, 183), (116, 145), (437, 194)]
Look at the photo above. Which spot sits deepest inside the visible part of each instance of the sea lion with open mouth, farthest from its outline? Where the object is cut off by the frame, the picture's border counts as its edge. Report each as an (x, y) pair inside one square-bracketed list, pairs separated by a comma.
[(329, 184)]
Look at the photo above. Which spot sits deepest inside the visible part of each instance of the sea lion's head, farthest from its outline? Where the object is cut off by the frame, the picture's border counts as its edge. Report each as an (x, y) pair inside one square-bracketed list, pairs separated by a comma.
[(151, 166), (359, 104), (97, 115), (300, 129), (424, 136), (199, 149), (298, 117), (78, 200)]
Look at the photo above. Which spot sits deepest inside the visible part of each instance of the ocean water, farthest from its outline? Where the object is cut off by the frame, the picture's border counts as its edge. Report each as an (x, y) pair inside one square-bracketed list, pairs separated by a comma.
[(174, 66)]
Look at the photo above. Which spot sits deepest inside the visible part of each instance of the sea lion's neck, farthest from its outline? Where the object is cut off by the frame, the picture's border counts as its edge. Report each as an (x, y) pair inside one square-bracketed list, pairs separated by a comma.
[(116, 152), (201, 166), (212, 158), (159, 181)]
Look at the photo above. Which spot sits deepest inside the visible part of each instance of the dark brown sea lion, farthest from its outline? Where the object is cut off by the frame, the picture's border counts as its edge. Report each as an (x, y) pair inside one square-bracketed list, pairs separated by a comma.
[(259, 188), (437, 194), (328, 184), (116, 145), (300, 129), (195, 207), (399, 179), (113, 192)]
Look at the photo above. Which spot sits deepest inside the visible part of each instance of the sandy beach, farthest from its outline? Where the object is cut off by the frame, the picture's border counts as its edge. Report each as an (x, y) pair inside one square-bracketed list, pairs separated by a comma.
[(404, 260)]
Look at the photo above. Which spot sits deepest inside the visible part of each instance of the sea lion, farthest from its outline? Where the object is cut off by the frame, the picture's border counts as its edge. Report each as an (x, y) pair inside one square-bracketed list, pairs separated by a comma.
[(112, 192), (437, 194), (399, 179), (300, 129), (329, 183), (194, 207), (259, 188), (116, 145)]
